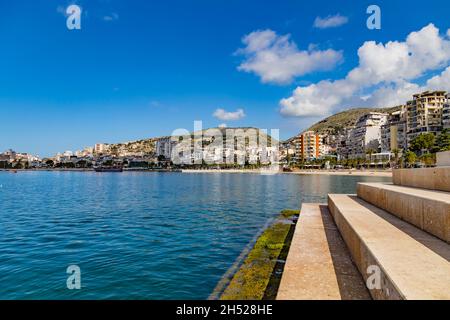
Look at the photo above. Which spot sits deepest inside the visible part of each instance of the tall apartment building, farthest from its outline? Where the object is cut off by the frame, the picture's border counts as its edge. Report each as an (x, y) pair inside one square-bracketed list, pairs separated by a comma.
[(307, 146), (446, 113), (343, 142), (164, 147), (366, 134), (424, 113), (100, 148), (393, 133)]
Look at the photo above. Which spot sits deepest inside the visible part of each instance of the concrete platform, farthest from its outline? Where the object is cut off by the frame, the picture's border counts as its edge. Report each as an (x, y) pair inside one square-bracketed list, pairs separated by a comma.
[(318, 265), (427, 178), (443, 159), (426, 209), (412, 264)]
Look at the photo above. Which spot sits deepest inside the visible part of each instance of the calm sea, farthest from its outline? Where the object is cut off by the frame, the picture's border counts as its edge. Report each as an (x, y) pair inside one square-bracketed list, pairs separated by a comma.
[(138, 235)]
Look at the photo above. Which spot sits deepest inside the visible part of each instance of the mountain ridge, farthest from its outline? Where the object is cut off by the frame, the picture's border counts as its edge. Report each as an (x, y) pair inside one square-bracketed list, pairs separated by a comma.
[(343, 119)]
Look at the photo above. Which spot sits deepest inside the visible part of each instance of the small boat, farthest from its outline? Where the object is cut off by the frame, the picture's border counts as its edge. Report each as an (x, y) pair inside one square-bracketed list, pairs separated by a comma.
[(108, 169)]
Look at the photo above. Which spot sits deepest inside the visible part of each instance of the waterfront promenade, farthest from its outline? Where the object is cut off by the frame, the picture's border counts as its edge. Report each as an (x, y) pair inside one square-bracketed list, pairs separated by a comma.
[(397, 235), (359, 173)]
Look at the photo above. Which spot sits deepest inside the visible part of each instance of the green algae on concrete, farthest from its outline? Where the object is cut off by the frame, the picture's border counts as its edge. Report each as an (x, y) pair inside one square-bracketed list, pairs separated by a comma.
[(256, 275)]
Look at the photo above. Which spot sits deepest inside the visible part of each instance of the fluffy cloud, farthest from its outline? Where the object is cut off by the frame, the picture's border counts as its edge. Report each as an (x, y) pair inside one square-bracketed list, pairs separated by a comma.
[(441, 81), (223, 115), (276, 58), (330, 21), (386, 70)]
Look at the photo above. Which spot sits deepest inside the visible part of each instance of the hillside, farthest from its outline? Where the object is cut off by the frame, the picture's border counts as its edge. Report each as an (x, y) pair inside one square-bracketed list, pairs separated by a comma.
[(344, 119), (148, 146)]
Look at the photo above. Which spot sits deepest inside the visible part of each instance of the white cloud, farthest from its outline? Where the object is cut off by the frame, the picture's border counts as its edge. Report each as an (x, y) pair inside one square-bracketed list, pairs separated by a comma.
[(441, 81), (223, 115), (276, 58), (448, 33), (112, 17), (386, 70), (330, 21)]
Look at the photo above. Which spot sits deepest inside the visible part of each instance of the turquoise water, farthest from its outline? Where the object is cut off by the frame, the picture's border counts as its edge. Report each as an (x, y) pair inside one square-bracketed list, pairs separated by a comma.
[(138, 235)]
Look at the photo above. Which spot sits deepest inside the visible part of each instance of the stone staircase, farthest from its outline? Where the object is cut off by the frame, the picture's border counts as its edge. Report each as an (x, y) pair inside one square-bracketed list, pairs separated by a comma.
[(397, 237)]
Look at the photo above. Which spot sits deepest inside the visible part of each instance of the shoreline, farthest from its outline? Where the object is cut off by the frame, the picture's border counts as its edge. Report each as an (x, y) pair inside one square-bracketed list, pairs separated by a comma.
[(356, 173), (256, 274)]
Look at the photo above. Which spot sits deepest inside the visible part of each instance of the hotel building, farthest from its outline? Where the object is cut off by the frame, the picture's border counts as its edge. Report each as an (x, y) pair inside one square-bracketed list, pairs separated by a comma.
[(307, 146), (366, 134), (424, 113), (446, 113), (393, 133)]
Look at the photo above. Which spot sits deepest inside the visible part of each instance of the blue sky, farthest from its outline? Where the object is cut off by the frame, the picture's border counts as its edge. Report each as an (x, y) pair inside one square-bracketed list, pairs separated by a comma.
[(140, 69)]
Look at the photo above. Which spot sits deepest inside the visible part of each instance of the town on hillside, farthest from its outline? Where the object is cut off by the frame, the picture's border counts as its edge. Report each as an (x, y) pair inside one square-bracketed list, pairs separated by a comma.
[(408, 135)]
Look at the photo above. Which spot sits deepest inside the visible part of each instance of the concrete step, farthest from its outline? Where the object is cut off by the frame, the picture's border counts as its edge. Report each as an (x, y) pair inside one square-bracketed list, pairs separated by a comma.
[(318, 265), (399, 260), (427, 178), (426, 209)]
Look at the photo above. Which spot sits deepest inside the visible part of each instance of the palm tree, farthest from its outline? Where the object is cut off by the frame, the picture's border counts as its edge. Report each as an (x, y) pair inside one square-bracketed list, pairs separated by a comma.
[(396, 153), (370, 152)]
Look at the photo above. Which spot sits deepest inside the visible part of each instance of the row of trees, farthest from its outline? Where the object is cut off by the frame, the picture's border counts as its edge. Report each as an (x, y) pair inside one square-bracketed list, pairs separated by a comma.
[(423, 148)]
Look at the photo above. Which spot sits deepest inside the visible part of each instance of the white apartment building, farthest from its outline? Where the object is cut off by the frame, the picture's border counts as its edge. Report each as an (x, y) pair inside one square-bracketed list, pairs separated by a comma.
[(366, 134), (343, 143), (425, 113), (446, 113), (101, 148), (165, 146)]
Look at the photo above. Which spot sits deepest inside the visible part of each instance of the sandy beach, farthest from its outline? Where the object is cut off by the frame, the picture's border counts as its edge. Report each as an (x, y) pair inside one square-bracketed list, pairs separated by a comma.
[(361, 173)]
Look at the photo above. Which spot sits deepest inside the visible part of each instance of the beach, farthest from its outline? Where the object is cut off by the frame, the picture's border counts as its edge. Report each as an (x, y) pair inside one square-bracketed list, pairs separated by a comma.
[(358, 173)]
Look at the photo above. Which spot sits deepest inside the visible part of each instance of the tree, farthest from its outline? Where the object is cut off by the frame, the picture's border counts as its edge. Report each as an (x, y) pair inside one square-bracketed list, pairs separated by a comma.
[(410, 157), (443, 141), (50, 163), (428, 159), (396, 153), (81, 164), (423, 142), (370, 152)]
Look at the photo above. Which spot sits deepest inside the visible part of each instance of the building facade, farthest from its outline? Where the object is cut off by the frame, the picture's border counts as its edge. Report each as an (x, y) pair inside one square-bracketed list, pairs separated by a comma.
[(446, 113), (164, 147), (366, 134), (100, 148), (393, 133), (307, 146), (424, 113)]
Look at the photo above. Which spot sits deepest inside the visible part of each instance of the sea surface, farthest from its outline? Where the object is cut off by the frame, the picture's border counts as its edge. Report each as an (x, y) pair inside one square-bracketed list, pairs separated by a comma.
[(138, 235)]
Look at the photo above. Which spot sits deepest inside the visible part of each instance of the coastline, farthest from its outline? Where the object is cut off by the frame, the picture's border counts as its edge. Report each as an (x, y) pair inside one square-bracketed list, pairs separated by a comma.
[(256, 274), (356, 173)]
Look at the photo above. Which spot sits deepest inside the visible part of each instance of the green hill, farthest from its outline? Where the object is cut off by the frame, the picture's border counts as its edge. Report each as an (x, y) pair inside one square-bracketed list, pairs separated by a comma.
[(344, 119)]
